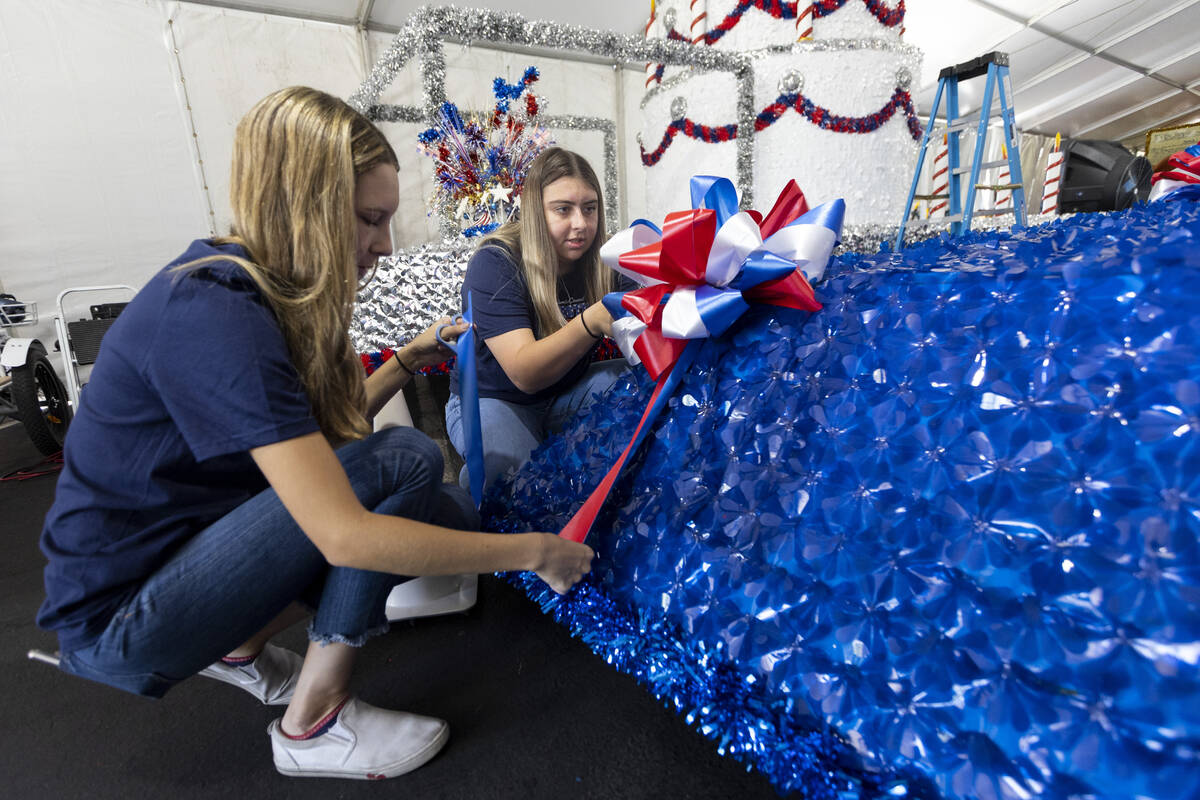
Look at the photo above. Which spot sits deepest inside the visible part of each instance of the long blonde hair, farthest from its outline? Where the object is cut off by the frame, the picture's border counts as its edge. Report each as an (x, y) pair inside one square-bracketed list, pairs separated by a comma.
[(296, 157), (529, 237)]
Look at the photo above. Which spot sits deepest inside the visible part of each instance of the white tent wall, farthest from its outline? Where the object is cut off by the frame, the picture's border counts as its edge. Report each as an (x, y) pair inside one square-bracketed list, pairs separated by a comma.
[(97, 183), (117, 121), (1033, 149), (229, 60), (1035, 152), (101, 179)]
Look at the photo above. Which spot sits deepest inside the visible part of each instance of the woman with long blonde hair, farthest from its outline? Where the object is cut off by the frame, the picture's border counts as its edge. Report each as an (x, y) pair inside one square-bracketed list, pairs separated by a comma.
[(202, 505), (536, 286)]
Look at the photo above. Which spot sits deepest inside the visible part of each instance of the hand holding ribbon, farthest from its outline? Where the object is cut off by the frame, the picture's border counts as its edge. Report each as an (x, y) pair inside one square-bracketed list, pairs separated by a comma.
[(699, 274)]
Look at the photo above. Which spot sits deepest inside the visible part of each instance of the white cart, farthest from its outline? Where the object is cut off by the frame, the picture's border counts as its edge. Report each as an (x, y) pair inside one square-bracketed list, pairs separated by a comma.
[(30, 391)]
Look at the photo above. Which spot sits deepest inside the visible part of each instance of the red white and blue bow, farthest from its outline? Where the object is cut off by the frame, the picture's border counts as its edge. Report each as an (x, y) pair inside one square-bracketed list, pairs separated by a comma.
[(699, 274), (1181, 179)]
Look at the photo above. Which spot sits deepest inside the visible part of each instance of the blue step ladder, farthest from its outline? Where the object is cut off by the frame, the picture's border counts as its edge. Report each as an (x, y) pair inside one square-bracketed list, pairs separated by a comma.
[(961, 208)]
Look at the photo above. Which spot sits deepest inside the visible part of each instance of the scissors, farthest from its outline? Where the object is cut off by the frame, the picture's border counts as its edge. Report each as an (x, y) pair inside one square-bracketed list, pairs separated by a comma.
[(458, 319)]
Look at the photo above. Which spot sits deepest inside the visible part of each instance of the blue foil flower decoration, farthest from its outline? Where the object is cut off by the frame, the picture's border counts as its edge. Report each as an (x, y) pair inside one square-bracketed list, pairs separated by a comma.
[(941, 537)]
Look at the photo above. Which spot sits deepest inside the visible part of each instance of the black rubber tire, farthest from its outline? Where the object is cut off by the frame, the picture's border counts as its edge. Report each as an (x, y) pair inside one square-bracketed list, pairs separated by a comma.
[(41, 401)]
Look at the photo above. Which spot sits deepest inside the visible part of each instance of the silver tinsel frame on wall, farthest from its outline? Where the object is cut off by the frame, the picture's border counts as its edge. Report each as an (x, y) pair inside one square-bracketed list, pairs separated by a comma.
[(429, 27), (418, 284), (394, 113)]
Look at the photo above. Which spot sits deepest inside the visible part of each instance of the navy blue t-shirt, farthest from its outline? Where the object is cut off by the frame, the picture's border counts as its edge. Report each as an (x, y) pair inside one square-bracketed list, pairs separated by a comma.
[(193, 374), (500, 302)]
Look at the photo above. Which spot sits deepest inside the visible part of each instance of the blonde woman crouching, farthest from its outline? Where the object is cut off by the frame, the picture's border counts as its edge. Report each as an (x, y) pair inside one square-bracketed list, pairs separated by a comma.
[(202, 507)]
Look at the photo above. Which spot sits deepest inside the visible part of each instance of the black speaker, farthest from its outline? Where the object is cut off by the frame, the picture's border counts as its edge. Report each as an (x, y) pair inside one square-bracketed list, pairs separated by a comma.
[(1101, 176), (12, 310)]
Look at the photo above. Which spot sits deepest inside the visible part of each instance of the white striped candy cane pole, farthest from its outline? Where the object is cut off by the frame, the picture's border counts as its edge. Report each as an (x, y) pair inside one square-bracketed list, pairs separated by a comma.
[(651, 68), (1003, 196), (699, 20), (1053, 171), (940, 180), (804, 18)]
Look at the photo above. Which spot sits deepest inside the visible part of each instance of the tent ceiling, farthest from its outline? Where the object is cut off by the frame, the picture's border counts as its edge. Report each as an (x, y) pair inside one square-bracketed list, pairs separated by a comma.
[(1098, 69)]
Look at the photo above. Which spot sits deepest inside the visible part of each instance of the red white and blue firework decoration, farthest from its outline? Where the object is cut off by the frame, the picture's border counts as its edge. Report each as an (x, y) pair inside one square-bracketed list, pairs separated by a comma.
[(480, 161)]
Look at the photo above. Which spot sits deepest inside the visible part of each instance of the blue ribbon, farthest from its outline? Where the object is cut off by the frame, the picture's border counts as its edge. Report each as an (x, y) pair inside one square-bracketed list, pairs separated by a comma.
[(648, 224), (719, 308), (830, 215), (678, 370), (468, 391), (612, 304), (759, 267), (716, 194)]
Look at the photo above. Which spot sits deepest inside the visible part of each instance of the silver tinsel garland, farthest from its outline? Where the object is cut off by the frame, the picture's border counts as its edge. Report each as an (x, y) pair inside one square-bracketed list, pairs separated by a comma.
[(429, 26), (807, 46)]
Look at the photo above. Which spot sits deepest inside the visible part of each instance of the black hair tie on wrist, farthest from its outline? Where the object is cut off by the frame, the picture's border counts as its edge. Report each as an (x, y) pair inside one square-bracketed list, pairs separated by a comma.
[(583, 320), (404, 366)]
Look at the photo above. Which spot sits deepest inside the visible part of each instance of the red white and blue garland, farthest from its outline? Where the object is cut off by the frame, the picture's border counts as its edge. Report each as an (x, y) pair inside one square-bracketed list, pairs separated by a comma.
[(817, 115), (890, 16), (887, 16)]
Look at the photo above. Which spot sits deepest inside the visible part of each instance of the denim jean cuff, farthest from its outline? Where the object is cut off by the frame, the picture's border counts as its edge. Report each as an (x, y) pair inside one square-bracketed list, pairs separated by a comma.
[(353, 641)]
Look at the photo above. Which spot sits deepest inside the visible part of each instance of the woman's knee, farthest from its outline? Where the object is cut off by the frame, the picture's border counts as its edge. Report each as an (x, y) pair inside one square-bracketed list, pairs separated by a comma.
[(394, 456), (412, 443)]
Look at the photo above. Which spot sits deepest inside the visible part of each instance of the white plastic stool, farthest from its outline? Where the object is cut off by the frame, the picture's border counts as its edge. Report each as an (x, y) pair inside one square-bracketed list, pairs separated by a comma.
[(431, 595)]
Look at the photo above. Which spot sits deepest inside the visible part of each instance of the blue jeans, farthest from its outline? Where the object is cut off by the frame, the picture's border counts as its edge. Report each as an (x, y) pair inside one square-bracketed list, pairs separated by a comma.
[(235, 576), (511, 430)]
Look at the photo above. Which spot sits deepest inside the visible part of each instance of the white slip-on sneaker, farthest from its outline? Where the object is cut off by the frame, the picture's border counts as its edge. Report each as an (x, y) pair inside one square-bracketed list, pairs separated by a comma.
[(365, 742), (431, 595), (271, 677)]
